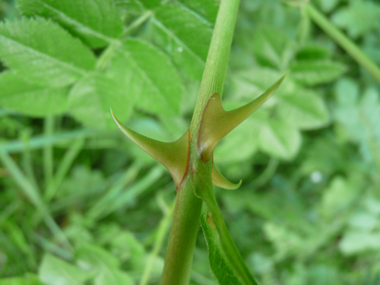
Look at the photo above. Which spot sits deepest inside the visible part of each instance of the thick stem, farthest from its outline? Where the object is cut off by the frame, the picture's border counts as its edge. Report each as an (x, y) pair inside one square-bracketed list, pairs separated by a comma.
[(183, 233), (349, 46), (216, 65), (188, 207)]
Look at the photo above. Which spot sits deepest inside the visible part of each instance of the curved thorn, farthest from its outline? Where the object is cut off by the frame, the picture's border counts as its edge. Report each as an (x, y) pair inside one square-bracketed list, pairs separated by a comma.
[(217, 123), (219, 180), (173, 155)]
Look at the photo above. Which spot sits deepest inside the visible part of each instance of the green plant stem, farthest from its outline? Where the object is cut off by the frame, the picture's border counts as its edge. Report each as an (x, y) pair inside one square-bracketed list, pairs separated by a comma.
[(48, 150), (183, 233), (179, 255), (350, 47)]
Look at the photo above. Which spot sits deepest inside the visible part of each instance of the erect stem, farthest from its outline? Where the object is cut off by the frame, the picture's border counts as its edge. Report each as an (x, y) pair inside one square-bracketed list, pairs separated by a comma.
[(349, 46), (187, 210)]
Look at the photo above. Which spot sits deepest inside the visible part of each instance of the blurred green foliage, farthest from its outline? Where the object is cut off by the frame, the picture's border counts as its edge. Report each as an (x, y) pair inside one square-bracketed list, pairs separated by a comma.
[(79, 203)]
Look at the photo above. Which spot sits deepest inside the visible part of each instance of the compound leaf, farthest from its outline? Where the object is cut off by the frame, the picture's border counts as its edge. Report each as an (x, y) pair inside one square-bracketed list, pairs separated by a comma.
[(94, 21), (43, 52), (148, 76), (184, 36), (206, 9), (19, 95), (303, 109), (92, 97), (279, 139), (272, 47), (351, 17), (317, 72)]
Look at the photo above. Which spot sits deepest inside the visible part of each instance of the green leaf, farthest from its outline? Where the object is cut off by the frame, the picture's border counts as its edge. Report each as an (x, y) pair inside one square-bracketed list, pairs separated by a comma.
[(56, 271), (131, 8), (338, 196), (104, 264), (19, 95), (148, 77), (279, 139), (250, 83), (96, 257), (184, 36), (92, 97), (328, 5), (351, 17), (114, 277), (96, 22), (43, 52), (360, 242), (239, 146), (313, 52), (150, 4), (273, 48), (316, 72), (360, 117), (206, 9), (219, 263), (303, 109)]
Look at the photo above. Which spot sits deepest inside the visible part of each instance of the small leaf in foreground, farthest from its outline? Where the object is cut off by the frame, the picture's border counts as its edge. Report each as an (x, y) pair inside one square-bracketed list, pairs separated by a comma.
[(53, 56)]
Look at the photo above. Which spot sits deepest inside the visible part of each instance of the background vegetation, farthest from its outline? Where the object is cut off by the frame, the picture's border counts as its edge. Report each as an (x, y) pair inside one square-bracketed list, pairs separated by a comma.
[(80, 204)]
